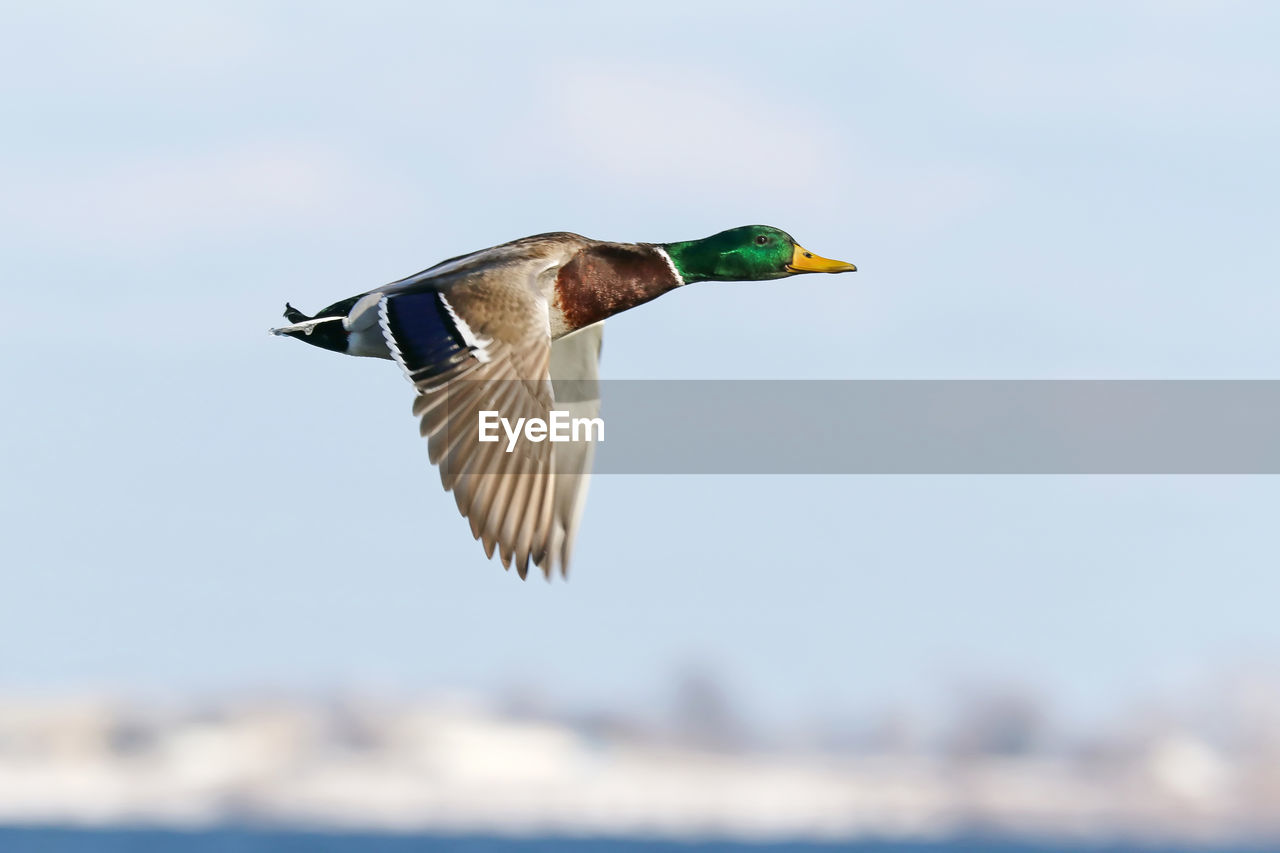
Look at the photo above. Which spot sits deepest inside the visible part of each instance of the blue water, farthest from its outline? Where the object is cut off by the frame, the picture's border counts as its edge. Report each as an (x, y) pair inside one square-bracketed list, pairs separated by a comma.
[(59, 840)]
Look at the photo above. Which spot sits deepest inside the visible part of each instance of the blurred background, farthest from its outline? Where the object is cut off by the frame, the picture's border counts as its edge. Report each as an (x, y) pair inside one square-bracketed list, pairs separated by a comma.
[(235, 594)]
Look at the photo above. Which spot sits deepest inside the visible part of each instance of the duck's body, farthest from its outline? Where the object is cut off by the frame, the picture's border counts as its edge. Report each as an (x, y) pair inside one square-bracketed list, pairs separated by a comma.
[(518, 317), (580, 281)]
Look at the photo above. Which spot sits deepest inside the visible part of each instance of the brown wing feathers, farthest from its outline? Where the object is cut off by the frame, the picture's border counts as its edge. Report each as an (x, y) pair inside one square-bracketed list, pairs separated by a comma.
[(474, 334), (480, 345)]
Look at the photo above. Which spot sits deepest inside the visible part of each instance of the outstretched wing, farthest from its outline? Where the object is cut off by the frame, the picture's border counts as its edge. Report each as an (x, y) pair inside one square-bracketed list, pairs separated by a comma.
[(575, 362), (475, 338)]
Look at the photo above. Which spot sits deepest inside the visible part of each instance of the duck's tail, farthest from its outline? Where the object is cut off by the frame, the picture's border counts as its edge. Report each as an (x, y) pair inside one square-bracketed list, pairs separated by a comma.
[(324, 332)]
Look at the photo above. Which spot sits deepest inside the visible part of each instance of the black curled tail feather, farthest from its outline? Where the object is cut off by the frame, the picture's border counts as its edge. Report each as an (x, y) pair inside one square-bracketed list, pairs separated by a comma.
[(330, 333), (293, 315)]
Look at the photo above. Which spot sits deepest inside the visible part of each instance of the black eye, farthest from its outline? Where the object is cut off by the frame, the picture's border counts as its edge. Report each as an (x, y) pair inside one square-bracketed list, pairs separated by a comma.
[(761, 240)]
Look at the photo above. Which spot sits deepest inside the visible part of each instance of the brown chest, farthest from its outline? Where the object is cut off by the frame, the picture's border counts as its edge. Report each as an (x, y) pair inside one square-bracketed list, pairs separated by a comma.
[(601, 281)]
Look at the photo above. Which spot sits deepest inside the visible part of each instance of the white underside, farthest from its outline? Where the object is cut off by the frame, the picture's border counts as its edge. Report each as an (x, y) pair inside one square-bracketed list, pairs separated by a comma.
[(306, 327)]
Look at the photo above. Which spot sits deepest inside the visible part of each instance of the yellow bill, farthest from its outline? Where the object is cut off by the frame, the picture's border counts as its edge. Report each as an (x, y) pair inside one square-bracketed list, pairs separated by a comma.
[(802, 260)]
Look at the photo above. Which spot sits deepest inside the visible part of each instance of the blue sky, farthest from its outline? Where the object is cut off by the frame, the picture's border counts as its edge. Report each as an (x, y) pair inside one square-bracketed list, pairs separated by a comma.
[(1083, 191)]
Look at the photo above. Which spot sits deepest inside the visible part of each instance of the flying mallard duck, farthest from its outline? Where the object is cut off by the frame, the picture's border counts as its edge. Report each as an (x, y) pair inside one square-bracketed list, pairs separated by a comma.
[(526, 318)]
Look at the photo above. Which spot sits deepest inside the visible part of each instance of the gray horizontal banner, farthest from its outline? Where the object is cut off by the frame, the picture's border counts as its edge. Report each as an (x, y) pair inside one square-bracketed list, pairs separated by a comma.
[(934, 427)]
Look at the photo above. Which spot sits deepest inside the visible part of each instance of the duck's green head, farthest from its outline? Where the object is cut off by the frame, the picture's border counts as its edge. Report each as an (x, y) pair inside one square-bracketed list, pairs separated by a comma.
[(749, 253)]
